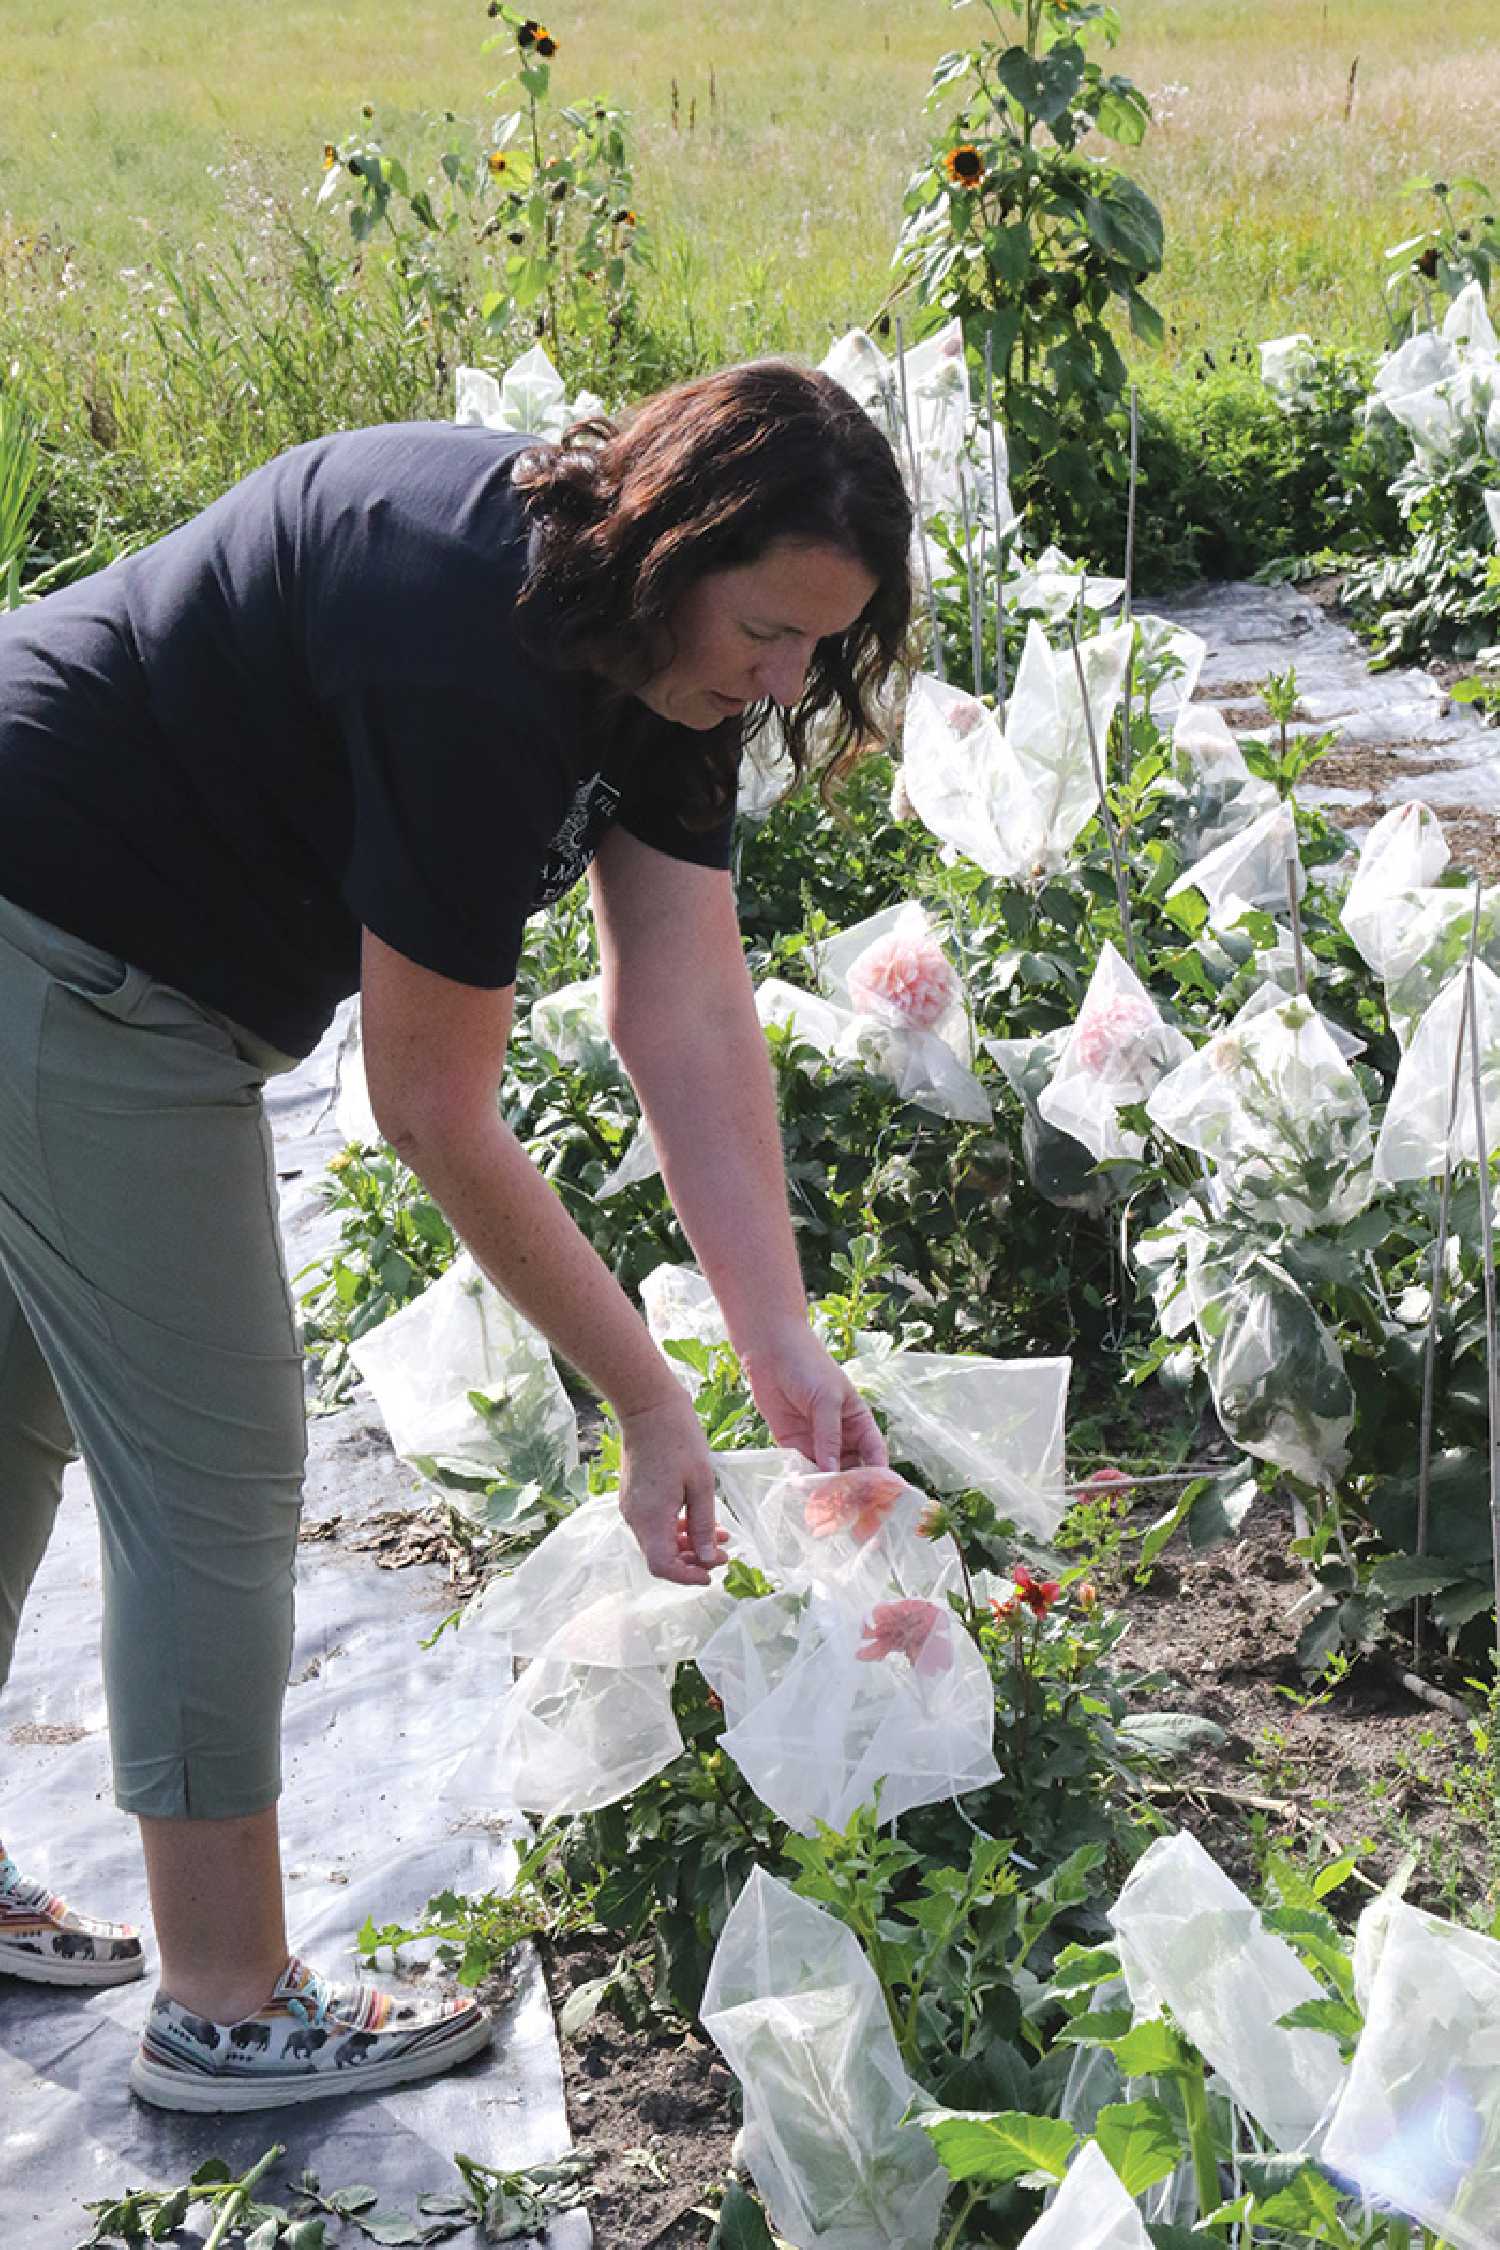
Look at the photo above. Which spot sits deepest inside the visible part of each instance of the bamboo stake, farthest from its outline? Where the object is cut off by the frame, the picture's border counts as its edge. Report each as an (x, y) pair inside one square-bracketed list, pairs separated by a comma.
[(1435, 1293), (1491, 1355), (1122, 889), (989, 410), (1293, 869), (1129, 609), (971, 584), (915, 466)]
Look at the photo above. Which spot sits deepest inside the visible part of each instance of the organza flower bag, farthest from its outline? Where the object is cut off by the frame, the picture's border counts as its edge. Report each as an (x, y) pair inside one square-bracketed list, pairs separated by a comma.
[(796, 2011)]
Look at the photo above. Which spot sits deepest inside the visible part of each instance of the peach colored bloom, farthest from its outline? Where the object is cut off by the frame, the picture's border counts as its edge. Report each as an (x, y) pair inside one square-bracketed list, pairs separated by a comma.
[(853, 1500), (1103, 1035), (904, 978), (916, 1630)]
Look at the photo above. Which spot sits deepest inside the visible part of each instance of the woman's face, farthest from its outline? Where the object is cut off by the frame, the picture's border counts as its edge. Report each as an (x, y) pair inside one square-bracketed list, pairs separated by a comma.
[(747, 635)]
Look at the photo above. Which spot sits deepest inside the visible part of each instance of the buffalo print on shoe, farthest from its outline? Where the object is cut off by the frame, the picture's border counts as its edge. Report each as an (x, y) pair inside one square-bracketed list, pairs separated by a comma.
[(310, 2040), (45, 1942)]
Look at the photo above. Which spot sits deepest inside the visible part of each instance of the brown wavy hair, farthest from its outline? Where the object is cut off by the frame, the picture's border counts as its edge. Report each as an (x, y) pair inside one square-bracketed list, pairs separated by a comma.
[(705, 477)]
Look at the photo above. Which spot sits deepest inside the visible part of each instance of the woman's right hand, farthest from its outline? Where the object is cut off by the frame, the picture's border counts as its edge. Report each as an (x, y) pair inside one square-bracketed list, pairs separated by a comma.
[(667, 1490)]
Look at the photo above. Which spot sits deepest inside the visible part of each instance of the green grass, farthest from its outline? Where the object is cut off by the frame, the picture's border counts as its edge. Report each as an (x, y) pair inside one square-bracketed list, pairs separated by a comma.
[(774, 177)]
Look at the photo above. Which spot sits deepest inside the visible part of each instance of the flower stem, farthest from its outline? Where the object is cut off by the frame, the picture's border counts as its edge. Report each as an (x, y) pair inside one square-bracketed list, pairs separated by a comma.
[(955, 2234), (237, 2198), (1201, 2142)]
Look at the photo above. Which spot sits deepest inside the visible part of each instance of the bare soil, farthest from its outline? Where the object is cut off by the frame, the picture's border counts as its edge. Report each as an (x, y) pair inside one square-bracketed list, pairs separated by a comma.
[(660, 2112), (1369, 1767)]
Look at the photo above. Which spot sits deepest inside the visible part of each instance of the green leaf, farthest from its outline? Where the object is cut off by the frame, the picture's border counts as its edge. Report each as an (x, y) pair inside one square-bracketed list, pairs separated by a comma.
[(1400, 1578), (1217, 1516), (1310, 2203), (350, 2201), (1141, 2142), (1080, 1967), (582, 2005), (1169, 1734), (1043, 85), (1457, 1603), (1154, 2050), (1123, 113), (741, 2224), (1002, 2146), (1337, 2017), (1122, 220)]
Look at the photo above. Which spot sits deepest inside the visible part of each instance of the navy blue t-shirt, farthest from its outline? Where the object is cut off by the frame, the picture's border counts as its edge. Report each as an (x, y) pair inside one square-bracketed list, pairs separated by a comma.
[(307, 711)]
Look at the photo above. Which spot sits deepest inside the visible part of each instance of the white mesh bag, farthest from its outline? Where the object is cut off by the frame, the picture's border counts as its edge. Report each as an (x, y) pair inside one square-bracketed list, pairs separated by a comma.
[(1276, 1108), (681, 1308), (794, 2008), (1276, 1372), (1117, 1051), (965, 783), (1058, 1166), (853, 1531), (1428, 938), (1191, 1941), (1405, 851), (829, 1704), (967, 1423), (1181, 655), (530, 396), (1418, 2124), (1415, 1142), (1051, 585), (585, 1595), (1046, 728), (1090, 2211), (569, 1023), (1253, 868), (568, 1738), (905, 1015), (1288, 367), (465, 1383)]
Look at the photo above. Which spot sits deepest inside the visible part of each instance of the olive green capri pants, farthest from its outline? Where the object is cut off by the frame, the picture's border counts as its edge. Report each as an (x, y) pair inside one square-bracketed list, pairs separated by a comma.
[(144, 1308)]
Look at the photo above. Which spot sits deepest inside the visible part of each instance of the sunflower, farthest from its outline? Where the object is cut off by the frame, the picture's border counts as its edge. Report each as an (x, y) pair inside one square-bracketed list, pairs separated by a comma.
[(330, 156), (498, 161), (526, 33), (964, 166), (546, 45)]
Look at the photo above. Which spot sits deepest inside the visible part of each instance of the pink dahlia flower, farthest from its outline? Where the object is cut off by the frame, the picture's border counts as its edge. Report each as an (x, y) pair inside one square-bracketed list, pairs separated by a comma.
[(853, 1500), (904, 978), (916, 1630), (1104, 1035)]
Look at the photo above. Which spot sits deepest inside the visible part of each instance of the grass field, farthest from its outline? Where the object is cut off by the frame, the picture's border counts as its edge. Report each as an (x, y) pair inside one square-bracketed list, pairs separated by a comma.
[(774, 138)]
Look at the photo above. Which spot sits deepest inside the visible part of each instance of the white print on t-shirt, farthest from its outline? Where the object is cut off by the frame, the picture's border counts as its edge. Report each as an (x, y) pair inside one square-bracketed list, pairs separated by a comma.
[(574, 845)]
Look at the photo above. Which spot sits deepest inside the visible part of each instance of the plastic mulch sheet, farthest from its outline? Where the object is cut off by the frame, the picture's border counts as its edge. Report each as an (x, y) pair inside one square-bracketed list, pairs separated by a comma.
[(373, 1721)]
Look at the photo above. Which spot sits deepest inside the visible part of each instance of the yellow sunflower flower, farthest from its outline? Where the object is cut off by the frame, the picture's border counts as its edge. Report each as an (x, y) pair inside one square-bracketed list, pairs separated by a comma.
[(964, 166)]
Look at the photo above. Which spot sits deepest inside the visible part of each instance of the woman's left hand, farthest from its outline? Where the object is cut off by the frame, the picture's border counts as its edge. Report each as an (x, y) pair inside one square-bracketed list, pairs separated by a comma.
[(810, 1403)]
